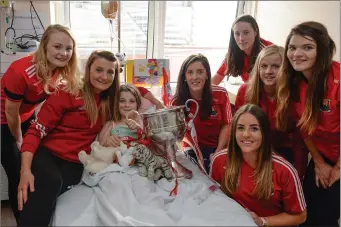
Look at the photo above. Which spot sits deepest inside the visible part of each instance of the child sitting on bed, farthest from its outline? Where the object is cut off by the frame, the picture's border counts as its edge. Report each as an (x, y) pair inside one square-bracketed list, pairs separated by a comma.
[(130, 130), (121, 128)]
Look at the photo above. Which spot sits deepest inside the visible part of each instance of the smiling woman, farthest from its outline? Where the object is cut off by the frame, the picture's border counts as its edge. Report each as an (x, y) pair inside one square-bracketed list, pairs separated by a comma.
[(302, 54), (102, 73), (28, 82), (59, 50), (310, 83), (245, 44), (212, 126), (250, 172), (261, 90), (66, 124)]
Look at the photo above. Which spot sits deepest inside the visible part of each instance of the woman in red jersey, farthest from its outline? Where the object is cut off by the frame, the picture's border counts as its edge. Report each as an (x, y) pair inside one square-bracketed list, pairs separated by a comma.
[(245, 44), (214, 115), (27, 83), (145, 93), (66, 124), (261, 90), (250, 172), (310, 82)]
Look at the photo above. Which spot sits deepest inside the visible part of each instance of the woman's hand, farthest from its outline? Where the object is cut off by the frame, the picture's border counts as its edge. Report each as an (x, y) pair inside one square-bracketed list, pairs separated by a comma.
[(322, 174), (256, 218), (334, 175), (112, 141), (19, 142), (132, 124), (26, 182)]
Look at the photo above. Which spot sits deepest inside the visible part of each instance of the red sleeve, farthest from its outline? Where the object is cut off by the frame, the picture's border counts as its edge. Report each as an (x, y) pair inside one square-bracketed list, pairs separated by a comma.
[(293, 198), (15, 84), (266, 42), (240, 98), (218, 166), (47, 119), (222, 69), (143, 91), (226, 108)]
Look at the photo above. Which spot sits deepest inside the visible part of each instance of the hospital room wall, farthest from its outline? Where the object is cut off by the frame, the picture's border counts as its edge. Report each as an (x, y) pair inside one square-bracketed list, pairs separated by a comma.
[(276, 18)]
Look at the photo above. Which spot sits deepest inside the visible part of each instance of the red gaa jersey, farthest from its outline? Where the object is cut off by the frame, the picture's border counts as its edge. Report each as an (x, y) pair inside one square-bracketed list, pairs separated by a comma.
[(291, 139), (326, 136), (63, 127), (20, 84), (245, 75), (269, 107), (287, 195), (208, 130)]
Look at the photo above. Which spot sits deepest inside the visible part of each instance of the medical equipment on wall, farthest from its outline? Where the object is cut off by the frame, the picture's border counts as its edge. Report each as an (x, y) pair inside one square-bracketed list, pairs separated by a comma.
[(7, 30), (11, 43)]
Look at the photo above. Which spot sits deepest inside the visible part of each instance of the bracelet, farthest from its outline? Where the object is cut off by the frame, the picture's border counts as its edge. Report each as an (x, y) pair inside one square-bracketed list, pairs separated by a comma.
[(264, 222)]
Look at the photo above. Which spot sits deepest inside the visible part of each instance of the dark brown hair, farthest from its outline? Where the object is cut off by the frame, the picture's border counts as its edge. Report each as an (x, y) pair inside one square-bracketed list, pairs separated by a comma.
[(289, 78), (182, 90), (235, 56), (263, 170)]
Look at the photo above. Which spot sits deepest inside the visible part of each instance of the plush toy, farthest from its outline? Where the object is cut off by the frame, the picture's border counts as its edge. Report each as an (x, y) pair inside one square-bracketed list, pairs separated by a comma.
[(151, 166), (121, 57), (100, 157), (124, 156)]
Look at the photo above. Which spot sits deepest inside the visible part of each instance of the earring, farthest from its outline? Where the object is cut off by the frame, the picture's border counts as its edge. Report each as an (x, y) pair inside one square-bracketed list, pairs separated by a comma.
[(185, 80)]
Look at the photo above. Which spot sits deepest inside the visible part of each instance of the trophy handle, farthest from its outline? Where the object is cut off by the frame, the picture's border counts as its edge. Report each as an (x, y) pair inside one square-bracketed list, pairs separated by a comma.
[(197, 106)]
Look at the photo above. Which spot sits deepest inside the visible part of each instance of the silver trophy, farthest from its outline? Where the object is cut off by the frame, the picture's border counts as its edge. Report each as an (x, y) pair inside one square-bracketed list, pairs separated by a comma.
[(166, 128)]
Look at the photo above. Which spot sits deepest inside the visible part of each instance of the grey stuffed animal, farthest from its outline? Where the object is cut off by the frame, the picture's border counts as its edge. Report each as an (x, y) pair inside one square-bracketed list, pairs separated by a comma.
[(151, 166)]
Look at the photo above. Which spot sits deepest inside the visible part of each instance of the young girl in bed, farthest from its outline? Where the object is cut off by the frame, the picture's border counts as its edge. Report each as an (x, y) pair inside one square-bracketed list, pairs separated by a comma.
[(121, 129)]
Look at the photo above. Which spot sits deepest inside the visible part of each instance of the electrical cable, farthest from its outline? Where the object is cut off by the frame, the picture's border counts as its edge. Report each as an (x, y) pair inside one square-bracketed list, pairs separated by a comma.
[(37, 16), (22, 42), (34, 28)]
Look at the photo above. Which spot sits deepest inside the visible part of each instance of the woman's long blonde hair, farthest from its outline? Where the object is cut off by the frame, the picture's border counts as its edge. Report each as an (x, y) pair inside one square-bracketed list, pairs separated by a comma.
[(109, 97), (263, 171), (289, 78), (68, 75), (255, 84)]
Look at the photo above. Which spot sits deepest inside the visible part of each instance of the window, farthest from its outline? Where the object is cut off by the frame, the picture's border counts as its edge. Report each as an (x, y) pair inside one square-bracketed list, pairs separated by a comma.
[(159, 29), (94, 31), (197, 27)]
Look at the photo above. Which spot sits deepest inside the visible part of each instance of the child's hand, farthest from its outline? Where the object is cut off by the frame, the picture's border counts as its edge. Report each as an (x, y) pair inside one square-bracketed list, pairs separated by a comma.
[(112, 141), (132, 124)]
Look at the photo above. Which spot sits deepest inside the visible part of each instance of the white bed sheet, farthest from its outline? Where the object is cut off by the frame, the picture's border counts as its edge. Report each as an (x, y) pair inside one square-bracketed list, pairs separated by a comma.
[(126, 199)]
